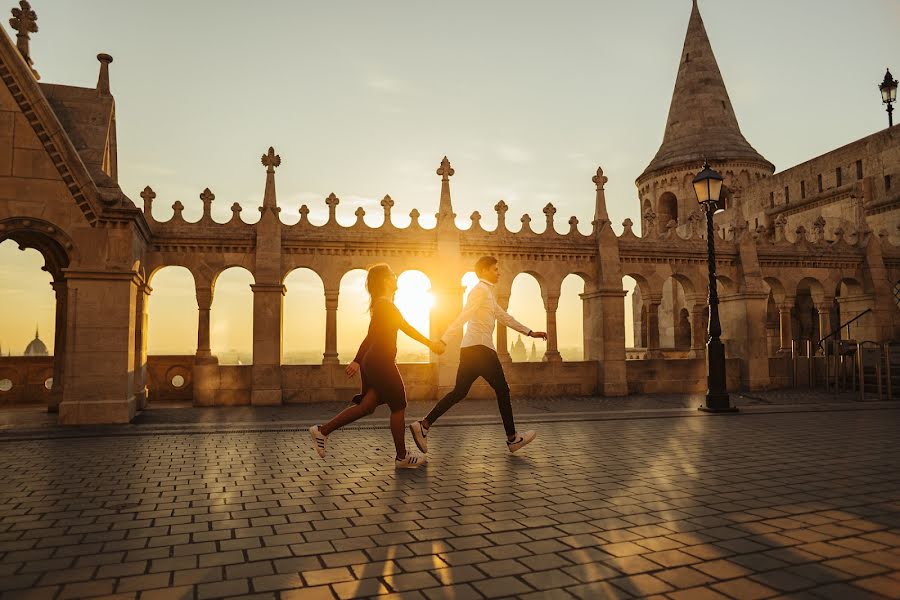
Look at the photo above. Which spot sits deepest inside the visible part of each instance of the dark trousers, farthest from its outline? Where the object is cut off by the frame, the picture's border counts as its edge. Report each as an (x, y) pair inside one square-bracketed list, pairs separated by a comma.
[(475, 362)]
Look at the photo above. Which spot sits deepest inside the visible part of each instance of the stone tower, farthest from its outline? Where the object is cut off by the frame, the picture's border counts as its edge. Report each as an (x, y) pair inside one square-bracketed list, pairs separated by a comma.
[(701, 125)]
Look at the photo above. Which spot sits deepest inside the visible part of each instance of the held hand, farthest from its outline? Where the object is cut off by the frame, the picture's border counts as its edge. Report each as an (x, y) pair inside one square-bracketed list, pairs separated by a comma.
[(539, 334), (438, 347), (352, 369)]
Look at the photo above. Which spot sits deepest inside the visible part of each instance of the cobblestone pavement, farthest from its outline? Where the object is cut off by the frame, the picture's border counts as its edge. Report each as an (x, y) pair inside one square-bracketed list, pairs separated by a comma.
[(800, 505)]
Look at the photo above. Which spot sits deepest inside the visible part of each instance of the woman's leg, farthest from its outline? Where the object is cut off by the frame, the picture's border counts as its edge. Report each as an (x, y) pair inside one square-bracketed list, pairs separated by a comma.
[(352, 413), (398, 431)]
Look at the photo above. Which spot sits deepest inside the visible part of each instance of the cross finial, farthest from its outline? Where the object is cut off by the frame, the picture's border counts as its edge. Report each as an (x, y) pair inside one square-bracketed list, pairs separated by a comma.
[(207, 196), (24, 21), (270, 160), (445, 170), (148, 195)]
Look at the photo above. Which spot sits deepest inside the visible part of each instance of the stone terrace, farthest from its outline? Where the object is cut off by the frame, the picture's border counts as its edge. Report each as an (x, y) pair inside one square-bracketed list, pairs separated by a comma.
[(749, 506)]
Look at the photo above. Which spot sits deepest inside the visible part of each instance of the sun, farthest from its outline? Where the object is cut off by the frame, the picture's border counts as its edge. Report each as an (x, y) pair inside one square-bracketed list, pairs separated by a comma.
[(414, 299)]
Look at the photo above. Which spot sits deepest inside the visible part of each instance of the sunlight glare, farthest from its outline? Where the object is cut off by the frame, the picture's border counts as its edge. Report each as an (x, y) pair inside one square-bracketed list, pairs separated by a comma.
[(414, 299)]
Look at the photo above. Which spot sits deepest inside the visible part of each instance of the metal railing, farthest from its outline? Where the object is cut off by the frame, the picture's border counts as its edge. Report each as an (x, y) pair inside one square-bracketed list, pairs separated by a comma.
[(850, 365)]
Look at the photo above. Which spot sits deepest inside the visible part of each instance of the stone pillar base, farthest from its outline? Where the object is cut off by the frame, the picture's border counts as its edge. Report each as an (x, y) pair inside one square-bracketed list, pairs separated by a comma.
[(331, 359), (206, 380), (552, 356), (95, 412)]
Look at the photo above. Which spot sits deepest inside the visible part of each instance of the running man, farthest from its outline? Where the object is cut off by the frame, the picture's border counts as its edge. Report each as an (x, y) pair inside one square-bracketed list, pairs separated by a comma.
[(478, 357)]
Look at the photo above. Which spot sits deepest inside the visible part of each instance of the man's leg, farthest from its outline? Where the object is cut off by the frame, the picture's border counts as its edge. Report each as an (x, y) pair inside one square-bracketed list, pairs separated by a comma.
[(493, 373), (469, 370)]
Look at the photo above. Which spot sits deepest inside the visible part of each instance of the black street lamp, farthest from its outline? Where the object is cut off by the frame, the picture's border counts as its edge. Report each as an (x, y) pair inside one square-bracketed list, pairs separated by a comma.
[(708, 187), (888, 89)]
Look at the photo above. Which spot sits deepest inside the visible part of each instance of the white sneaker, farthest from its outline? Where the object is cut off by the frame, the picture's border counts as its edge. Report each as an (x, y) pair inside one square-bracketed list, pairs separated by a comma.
[(522, 439), (412, 460), (318, 440), (419, 434)]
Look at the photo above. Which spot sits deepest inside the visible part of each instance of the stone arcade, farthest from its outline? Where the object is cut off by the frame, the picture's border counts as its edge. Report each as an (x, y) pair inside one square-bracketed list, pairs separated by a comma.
[(800, 251)]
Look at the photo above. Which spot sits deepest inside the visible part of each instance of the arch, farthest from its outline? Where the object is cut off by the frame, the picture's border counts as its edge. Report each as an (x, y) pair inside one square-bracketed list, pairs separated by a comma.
[(666, 210), (57, 248), (172, 311), (848, 286), (414, 300), (231, 316), (28, 300), (686, 283), (725, 285), (674, 300), (352, 313), (303, 318), (527, 306), (633, 308), (813, 286), (776, 289), (570, 318)]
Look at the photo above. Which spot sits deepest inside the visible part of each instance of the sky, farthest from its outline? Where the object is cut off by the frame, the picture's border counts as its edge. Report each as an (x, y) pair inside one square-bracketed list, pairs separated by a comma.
[(363, 99)]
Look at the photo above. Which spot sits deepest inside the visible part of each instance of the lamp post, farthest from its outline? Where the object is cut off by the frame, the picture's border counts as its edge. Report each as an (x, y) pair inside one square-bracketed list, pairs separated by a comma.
[(888, 89), (708, 187)]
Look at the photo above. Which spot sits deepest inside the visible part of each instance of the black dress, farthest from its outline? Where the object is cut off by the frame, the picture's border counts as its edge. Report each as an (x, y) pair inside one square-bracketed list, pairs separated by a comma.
[(378, 353)]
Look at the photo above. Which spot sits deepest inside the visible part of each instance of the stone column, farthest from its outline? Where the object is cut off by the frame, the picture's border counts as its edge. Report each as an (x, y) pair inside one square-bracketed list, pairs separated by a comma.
[(204, 303), (699, 328), (604, 338), (784, 319), (59, 347), (98, 373), (502, 341), (268, 302), (824, 310), (205, 372), (653, 303), (330, 357), (551, 303), (140, 345)]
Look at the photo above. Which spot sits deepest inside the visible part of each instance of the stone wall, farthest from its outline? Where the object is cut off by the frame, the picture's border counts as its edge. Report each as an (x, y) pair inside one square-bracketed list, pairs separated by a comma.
[(29, 376), (859, 178)]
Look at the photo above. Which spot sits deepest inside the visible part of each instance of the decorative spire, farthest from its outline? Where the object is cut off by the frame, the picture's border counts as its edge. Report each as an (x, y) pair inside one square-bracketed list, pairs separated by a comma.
[(24, 21), (445, 208), (701, 120), (600, 213), (207, 198), (148, 195), (36, 336), (103, 78), (270, 160)]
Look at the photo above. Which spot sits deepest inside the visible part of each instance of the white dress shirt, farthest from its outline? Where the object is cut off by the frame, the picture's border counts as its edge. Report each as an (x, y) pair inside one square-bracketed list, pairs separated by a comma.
[(481, 312)]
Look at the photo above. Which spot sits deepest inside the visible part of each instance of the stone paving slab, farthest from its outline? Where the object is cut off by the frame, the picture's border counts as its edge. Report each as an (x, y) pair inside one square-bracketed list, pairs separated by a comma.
[(801, 505)]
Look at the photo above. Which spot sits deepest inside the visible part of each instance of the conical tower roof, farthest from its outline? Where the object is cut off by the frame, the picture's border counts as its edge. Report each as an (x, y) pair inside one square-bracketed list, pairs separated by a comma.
[(701, 123)]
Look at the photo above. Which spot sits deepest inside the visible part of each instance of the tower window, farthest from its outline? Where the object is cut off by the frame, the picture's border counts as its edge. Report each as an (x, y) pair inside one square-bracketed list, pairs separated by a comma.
[(820, 183), (859, 171), (837, 177), (802, 189), (771, 199), (887, 183), (787, 195)]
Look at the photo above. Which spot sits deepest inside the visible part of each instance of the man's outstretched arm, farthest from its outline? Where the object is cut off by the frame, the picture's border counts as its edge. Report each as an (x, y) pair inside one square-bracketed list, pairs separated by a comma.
[(504, 318), (473, 302)]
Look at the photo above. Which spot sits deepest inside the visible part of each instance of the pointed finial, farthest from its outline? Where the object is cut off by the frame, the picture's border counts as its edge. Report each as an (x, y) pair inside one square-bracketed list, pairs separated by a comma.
[(103, 78), (270, 160), (24, 21), (445, 170), (35, 331)]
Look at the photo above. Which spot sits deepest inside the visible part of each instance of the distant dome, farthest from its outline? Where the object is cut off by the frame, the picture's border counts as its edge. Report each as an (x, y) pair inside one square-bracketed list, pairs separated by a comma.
[(36, 347)]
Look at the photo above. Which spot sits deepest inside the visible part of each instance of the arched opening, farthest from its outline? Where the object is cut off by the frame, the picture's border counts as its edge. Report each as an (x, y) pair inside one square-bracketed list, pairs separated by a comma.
[(805, 314), (303, 322), (674, 317), (570, 319), (28, 337), (414, 301), (635, 317), (666, 210), (352, 314), (172, 313), (231, 317), (527, 306)]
